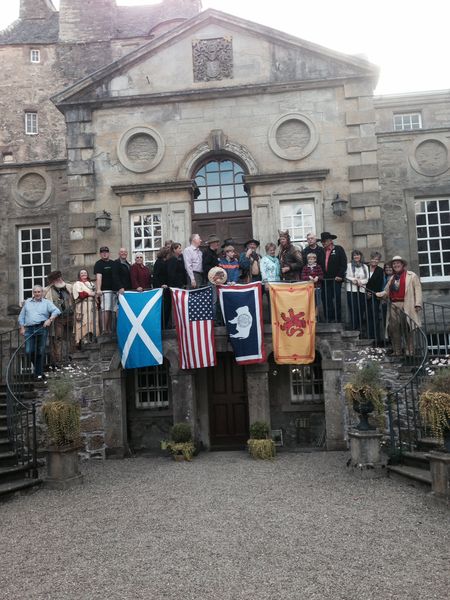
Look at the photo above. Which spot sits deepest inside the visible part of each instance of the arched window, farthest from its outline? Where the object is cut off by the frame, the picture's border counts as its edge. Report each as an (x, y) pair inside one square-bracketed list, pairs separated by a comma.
[(221, 188)]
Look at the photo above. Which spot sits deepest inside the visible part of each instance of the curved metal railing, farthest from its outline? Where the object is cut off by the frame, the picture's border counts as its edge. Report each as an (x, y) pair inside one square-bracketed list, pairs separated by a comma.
[(21, 415)]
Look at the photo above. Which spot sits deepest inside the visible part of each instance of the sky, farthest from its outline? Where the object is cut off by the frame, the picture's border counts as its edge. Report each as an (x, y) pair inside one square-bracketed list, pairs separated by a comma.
[(406, 39)]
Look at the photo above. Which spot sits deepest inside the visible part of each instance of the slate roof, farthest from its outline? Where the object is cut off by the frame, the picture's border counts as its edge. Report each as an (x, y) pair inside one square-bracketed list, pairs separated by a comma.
[(136, 21), (32, 31), (131, 21)]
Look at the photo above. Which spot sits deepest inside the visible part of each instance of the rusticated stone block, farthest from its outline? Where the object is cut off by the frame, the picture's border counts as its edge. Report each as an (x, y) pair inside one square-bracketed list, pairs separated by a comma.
[(82, 220), (81, 167), (83, 246), (362, 172), (357, 89), (363, 144), (357, 117), (78, 114), (371, 227), (363, 199), (82, 140)]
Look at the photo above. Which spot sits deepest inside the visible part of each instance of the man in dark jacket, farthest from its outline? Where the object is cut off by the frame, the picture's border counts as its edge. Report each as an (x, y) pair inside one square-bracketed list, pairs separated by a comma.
[(334, 274), (313, 248), (210, 256), (121, 272)]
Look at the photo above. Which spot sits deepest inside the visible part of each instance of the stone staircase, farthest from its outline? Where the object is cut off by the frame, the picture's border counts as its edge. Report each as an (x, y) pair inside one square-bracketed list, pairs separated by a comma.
[(14, 477)]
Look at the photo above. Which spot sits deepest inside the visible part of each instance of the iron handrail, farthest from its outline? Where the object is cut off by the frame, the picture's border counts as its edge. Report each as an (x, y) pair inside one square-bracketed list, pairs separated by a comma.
[(22, 435)]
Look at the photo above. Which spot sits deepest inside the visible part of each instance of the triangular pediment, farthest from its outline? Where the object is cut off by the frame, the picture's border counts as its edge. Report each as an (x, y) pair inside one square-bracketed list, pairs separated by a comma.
[(212, 51)]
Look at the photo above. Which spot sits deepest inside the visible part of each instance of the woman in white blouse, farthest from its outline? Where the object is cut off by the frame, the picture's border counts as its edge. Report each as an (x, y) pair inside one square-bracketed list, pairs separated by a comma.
[(356, 277)]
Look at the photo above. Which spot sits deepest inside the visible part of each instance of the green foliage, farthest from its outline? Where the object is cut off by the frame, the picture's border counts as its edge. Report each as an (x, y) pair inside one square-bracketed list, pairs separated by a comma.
[(440, 381), (259, 430), (181, 433), (186, 449), (60, 387), (62, 418), (366, 386), (261, 448), (434, 407), (62, 413)]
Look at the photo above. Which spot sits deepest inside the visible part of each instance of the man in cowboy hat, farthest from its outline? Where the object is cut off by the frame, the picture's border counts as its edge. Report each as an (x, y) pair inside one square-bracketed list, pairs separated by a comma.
[(249, 262), (333, 276), (61, 333), (210, 256), (405, 293)]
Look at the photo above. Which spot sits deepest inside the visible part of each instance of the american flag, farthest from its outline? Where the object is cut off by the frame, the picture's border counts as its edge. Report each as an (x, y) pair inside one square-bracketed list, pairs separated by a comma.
[(193, 310)]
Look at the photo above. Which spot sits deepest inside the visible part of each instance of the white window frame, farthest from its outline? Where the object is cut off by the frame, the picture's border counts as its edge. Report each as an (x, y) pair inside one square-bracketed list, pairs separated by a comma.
[(39, 263), (292, 218), (407, 121), (35, 55), (160, 391), (156, 241), (436, 244), (31, 123)]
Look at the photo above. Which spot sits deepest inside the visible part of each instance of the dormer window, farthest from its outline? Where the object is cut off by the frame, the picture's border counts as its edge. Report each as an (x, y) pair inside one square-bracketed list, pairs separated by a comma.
[(35, 56)]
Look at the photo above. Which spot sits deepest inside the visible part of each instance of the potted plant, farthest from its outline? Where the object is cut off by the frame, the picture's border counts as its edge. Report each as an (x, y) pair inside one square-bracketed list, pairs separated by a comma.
[(260, 445), (365, 394), (180, 445), (61, 414), (434, 406)]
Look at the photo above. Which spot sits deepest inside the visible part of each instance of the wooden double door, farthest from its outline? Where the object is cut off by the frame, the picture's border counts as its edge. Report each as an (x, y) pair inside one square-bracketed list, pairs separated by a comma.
[(239, 229), (228, 404)]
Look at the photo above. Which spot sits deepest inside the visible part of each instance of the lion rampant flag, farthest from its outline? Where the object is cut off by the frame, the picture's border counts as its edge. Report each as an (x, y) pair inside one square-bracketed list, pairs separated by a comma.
[(293, 322)]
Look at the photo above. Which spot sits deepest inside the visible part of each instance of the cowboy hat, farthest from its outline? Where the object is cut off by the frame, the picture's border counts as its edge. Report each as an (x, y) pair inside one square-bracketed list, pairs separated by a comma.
[(53, 276), (228, 242), (212, 238), (399, 258), (250, 242), (326, 235)]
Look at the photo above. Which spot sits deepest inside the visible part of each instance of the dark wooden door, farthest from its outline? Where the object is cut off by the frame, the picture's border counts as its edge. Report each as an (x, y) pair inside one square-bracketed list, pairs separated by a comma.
[(238, 229), (228, 404)]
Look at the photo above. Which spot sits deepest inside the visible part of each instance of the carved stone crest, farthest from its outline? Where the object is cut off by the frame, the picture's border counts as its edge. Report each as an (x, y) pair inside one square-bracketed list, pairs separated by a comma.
[(212, 59)]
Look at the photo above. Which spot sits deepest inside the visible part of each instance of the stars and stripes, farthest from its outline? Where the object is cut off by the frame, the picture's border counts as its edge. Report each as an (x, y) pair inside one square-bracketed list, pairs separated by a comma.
[(193, 311)]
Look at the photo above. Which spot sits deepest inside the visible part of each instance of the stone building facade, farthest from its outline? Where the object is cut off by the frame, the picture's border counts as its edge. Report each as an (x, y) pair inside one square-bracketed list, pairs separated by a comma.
[(172, 120)]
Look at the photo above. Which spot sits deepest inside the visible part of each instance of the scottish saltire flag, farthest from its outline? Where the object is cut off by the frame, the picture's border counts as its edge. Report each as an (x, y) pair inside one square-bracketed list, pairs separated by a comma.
[(293, 322), (139, 329), (242, 313), (193, 311)]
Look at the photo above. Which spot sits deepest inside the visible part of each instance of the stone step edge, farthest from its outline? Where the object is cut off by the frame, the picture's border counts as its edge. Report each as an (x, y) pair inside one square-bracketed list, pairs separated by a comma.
[(18, 485), (412, 473)]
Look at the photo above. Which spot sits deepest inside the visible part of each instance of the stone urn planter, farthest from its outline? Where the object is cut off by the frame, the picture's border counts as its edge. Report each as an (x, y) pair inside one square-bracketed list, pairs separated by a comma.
[(364, 393), (63, 468), (62, 415), (364, 408)]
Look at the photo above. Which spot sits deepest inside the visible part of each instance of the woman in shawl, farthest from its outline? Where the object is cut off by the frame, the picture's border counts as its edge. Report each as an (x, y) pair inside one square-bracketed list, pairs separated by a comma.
[(290, 258), (86, 318)]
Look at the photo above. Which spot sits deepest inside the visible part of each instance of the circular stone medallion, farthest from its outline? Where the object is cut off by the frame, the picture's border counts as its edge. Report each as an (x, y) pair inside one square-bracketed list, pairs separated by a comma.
[(32, 189), (140, 149), (430, 157), (293, 136)]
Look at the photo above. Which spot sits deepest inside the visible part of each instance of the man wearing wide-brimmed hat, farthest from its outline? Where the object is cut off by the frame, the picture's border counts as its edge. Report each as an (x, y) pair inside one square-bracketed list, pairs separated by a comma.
[(404, 290), (210, 255), (61, 333), (333, 276), (249, 262)]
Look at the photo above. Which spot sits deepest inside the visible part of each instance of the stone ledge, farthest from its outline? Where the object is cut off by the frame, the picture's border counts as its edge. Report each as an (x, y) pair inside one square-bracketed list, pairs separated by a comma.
[(363, 144)]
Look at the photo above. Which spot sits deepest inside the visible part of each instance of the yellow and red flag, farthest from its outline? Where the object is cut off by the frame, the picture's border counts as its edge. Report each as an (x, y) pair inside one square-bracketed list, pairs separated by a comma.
[(293, 322)]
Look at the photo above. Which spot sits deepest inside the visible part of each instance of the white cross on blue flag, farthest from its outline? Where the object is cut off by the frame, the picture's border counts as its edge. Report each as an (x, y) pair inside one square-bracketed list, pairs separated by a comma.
[(139, 329)]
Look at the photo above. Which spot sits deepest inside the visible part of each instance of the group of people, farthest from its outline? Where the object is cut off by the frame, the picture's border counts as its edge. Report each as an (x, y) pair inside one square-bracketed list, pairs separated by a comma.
[(82, 310)]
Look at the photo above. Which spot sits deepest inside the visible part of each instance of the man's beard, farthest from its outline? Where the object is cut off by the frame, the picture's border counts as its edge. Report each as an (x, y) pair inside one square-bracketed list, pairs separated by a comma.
[(60, 286)]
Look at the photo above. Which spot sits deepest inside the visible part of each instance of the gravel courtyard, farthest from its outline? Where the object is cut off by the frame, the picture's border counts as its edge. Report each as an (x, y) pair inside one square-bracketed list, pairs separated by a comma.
[(225, 527)]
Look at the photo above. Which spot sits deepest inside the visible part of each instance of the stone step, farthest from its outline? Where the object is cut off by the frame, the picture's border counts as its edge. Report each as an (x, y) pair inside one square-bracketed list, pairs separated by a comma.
[(11, 473), (416, 459), (8, 459), (18, 485), (415, 476), (427, 444)]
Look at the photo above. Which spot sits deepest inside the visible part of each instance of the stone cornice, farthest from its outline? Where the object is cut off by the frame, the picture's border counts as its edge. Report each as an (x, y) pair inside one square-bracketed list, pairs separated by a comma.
[(413, 100), (57, 163), (160, 186), (412, 132), (311, 175), (204, 94)]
